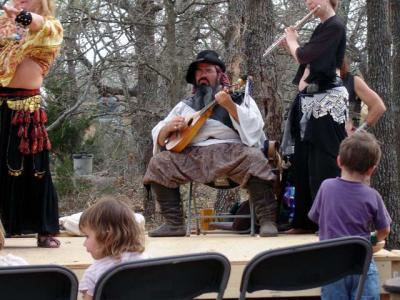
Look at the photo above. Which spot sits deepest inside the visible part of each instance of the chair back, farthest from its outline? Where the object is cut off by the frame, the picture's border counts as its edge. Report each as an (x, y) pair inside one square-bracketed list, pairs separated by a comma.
[(38, 282), (308, 266), (176, 277)]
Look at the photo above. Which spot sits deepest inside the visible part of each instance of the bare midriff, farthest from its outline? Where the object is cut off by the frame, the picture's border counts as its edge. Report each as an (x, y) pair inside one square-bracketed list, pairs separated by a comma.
[(303, 83), (28, 75)]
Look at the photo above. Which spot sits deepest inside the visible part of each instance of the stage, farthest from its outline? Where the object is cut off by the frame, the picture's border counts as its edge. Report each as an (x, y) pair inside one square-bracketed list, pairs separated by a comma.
[(239, 249)]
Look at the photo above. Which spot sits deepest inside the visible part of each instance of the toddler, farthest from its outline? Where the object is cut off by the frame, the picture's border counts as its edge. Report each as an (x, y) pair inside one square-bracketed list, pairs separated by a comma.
[(112, 237)]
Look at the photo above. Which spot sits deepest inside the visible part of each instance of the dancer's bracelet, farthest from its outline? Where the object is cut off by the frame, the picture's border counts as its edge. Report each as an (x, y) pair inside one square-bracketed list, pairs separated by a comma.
[(24, 18)]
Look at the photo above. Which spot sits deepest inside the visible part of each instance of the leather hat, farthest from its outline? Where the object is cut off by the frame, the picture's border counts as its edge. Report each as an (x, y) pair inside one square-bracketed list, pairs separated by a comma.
[(205, 56)]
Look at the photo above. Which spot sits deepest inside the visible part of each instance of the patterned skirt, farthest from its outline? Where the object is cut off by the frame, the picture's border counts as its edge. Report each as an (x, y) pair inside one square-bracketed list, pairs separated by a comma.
[(28, 200)]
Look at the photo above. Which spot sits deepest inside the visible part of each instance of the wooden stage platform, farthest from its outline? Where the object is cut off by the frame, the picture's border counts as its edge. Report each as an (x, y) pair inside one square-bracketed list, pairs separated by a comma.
[(239, 249)]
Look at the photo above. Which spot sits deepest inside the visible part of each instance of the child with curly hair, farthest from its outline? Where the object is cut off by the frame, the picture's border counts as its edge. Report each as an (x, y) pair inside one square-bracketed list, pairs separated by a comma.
[(112, 237)]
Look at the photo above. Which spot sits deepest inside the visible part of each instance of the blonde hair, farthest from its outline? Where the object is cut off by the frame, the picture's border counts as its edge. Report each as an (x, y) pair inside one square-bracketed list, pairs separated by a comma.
[(115, 227)]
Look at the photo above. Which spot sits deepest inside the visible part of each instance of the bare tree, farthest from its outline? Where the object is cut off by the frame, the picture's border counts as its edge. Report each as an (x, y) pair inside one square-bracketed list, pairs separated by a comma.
[(259, 33), (343, 10), (233, 41), (386, 180), (171, 52), (395, 21), (147, 89)]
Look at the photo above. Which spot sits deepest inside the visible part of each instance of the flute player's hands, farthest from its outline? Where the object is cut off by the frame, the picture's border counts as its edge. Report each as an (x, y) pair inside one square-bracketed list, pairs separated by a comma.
[(284, 45), (291, 35)]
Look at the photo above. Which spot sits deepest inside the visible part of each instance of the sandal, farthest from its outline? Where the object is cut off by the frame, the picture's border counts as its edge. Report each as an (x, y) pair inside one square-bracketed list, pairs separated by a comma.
[(47, 241)]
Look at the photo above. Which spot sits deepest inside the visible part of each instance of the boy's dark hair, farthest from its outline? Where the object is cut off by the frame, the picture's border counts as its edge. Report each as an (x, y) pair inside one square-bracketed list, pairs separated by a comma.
[(115, 227), (359, 152)]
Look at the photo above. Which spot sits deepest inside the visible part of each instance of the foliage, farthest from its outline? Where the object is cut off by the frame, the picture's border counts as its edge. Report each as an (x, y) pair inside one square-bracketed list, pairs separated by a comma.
[(63, 179), (68, 138)]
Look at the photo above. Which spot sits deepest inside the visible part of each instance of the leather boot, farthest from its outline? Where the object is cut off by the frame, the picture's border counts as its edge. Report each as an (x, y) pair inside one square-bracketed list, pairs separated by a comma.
[(171, 209), (265, 205)]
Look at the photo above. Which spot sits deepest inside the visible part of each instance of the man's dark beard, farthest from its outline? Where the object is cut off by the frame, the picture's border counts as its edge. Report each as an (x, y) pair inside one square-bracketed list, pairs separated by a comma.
[(204, 95), (207, 93)]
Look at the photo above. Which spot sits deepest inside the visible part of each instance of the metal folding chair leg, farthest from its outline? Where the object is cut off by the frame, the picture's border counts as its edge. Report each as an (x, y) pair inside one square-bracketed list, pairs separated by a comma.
[(196, 216), (189, 212)]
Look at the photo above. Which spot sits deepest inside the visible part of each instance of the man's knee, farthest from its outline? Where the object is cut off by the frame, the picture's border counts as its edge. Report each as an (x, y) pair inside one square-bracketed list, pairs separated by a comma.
[(159, 158), (255, 154)]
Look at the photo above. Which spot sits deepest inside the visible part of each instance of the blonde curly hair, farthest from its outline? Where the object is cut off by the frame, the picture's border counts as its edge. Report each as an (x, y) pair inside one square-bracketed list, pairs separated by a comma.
[(115, 227)]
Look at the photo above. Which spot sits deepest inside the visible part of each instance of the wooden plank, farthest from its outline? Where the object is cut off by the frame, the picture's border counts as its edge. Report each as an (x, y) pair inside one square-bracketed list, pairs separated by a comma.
[(239, 249)]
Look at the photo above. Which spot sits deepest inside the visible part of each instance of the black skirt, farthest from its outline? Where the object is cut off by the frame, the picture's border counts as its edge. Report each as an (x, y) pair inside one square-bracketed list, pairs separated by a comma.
[(28, 200), (314, 160)]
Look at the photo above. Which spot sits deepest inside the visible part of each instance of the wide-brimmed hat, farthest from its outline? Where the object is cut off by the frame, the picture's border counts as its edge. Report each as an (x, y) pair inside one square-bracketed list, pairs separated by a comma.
[(205, 56)]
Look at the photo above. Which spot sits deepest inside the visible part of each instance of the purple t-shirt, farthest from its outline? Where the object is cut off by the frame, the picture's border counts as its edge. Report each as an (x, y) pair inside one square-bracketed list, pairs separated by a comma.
[(347, 208)]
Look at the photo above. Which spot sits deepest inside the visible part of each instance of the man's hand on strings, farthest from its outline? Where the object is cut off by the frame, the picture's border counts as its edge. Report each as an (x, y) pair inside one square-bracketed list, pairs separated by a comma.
[(225, 100)]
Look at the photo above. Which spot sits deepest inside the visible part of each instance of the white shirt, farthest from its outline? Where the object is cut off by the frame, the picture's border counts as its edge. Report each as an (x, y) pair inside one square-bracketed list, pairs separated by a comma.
[(250, 128), (12, 260), (93, 273)]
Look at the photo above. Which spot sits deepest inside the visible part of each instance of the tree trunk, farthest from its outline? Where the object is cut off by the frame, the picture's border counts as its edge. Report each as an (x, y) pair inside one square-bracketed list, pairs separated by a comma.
[(343, 10), (172, 59), (226, 199), (395, 9), (185, 35), (386, 180), (259, 34), (72, 32), (147, 92), (234, 56), (233, 39)]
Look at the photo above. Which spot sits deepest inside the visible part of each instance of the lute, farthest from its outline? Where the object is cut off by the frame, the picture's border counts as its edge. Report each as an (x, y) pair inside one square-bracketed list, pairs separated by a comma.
[(179, 139)]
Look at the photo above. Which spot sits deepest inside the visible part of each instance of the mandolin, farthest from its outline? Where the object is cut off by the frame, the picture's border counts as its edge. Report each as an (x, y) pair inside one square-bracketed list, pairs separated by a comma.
[(179, 139)]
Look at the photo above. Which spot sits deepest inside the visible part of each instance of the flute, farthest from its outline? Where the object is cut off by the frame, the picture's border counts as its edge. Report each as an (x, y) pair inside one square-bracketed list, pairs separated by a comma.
[(363, 126), (298, 25)]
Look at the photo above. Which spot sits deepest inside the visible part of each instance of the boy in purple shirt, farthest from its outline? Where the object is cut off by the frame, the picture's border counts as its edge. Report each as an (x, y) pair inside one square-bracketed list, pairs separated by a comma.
[(348, 206)]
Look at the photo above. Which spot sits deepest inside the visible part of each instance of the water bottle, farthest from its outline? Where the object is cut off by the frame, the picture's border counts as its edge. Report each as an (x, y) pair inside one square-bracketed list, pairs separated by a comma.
[(291, 204), (373, 238), (288, 198)]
